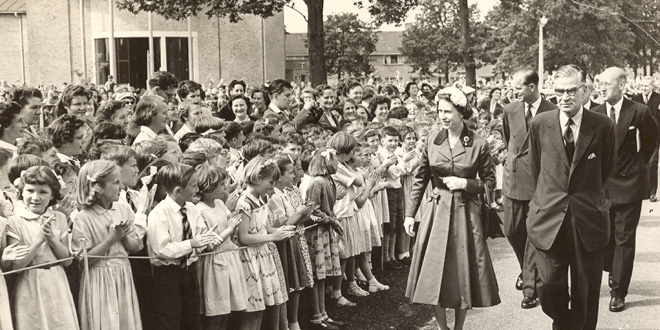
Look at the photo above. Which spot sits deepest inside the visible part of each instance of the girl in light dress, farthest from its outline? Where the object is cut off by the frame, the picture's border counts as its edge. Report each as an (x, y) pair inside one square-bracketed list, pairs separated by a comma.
[(40, 291), (323, 243), (9, 254), (366, 216), (294, 251), (353, 242), (412, 158), (221, 277), (265, 288), (108, 299)]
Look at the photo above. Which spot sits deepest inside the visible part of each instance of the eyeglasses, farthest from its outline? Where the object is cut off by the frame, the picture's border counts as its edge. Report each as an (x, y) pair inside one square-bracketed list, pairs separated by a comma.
[(605, 84), (571, 92)]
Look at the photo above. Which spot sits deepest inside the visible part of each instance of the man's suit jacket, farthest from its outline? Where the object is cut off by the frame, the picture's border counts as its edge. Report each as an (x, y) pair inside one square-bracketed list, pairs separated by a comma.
[(299, 121), (592, 105), (653, 104), (630, 182), (579, 185), (325, 123), (517, 182)]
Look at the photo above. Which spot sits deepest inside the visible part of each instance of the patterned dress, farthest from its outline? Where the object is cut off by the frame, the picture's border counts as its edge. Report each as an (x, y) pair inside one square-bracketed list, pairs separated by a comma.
[(297, 269), (262, 277), (321, 239), (354, 242)]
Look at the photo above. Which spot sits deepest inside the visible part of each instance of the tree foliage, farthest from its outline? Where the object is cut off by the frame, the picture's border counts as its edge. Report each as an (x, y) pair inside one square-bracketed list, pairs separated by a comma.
[(644, 22), (574, 34), (433, 43), (349, 43)]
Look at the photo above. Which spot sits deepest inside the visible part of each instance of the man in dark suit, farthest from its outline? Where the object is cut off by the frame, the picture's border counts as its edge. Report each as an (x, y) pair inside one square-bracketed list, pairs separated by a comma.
[(652, 100), (588, 102), (637, 137), (572, 154), (518, 187), (278, 109)]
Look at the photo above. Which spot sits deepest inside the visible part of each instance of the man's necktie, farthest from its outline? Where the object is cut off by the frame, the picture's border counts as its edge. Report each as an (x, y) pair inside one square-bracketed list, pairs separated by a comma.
[(570, 140), (613, 114), (187, 234), (528, 115)]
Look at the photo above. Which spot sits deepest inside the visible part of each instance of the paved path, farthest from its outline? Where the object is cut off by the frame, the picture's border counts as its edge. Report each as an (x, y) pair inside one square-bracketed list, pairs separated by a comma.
[(642, 304)]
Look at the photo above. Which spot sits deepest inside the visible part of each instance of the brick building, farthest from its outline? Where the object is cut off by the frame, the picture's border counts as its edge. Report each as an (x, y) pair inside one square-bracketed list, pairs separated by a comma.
[(43, 44), (388, 61)]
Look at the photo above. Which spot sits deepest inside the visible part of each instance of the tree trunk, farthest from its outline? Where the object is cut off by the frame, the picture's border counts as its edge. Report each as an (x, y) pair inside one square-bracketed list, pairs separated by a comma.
[(651, 61), (317, 70), (644, 60), (468, 59)]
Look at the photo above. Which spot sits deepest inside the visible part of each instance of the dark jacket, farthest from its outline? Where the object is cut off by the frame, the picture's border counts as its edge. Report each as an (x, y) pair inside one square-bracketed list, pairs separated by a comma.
[(629, 182), (579, 185), (517, 181)]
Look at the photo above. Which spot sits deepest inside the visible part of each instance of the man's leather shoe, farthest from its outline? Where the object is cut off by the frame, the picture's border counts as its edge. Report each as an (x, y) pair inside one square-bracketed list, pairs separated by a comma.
[(519, 283), (528, 303), (617, 304), (653, 198)]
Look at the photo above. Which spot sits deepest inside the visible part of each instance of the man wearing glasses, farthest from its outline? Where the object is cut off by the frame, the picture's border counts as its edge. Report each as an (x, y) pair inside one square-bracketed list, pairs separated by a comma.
[(637, 136), (572, 154), (518, 187), (163, 84)]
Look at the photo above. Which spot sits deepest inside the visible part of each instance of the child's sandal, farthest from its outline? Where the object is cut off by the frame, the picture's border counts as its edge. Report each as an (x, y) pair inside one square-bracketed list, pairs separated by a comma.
[(343, 302)]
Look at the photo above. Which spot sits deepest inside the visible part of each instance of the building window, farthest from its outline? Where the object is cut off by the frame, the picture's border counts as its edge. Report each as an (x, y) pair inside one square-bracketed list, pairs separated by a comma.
[(131, 55), (102, 61), (391, 59), (177, 57)]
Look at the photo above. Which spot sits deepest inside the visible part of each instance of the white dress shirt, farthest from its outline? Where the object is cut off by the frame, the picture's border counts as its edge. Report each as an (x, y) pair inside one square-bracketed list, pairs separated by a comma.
[(535, 107), (165, 232), (146, 134), (577, 121), (617, 109), (182, 131), (9, 146)]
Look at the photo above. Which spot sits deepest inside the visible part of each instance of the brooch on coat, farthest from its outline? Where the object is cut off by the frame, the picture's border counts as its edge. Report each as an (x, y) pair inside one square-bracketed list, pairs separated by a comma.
[(466, 139)]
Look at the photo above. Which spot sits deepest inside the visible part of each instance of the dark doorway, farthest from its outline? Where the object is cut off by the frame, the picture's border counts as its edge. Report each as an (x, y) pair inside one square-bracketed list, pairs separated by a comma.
[(132, 60), (177, 57)]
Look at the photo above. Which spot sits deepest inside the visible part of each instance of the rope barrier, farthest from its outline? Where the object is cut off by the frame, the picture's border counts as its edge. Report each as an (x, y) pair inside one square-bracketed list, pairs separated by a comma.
[(15, 271), (86, 257)]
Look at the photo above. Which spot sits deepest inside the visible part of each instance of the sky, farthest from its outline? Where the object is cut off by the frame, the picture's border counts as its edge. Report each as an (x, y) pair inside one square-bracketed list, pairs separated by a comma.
[(295, 23)]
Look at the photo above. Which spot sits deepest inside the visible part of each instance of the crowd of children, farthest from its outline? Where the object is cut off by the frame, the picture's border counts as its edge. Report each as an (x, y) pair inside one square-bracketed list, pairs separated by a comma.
[(177, 219)]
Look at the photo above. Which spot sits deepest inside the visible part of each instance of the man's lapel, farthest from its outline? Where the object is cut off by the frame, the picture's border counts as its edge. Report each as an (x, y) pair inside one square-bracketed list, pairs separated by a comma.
[(583, 140), (557, 140), (625, 117)]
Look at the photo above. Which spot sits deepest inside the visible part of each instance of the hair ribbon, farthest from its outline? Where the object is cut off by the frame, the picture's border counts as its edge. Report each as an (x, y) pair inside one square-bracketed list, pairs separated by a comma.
[(328, 153), (59, 179), (18, 180), (153, 170)]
